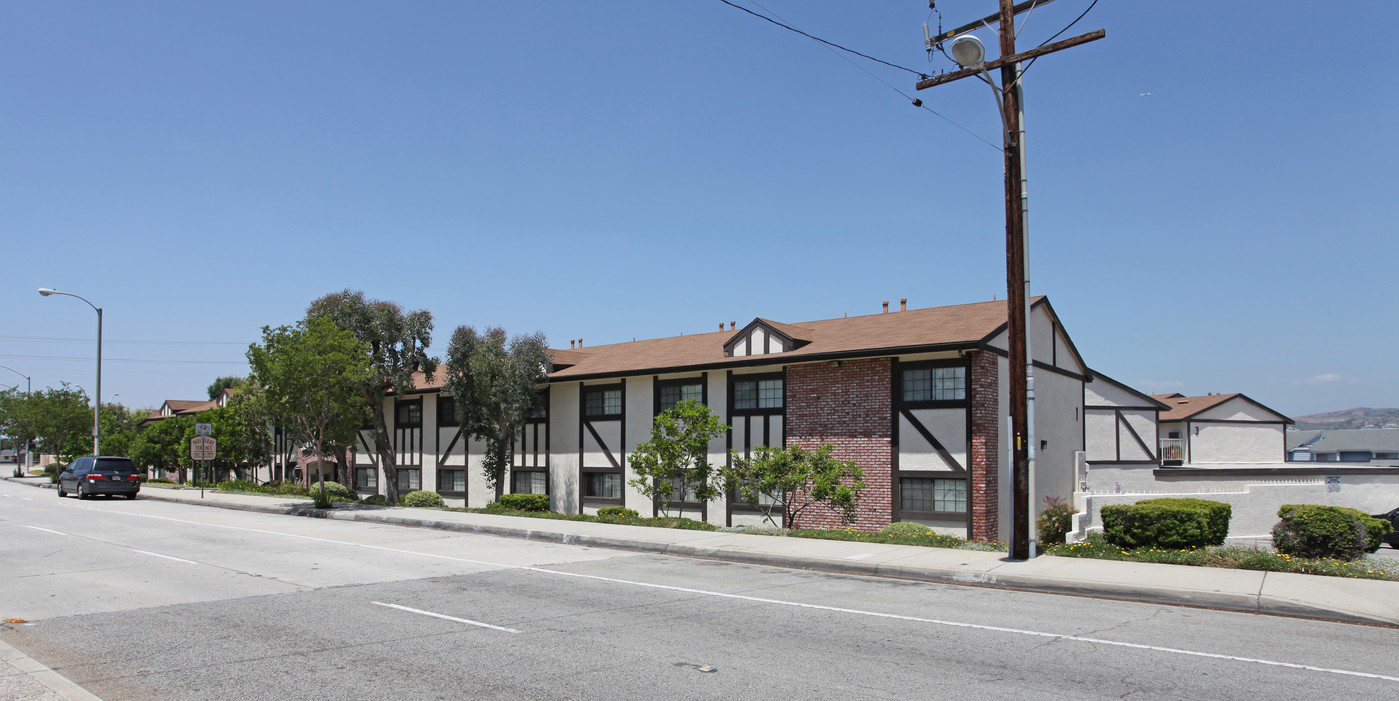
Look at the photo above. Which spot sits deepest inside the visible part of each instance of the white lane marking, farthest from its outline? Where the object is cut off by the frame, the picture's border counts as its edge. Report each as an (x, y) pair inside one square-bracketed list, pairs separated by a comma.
[(445, 617), (46, 530), (167, 557), (797, 604)]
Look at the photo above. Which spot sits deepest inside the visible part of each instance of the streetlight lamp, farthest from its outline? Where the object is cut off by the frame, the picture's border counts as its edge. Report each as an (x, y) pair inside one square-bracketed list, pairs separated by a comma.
[(28, 388), (97, 396)]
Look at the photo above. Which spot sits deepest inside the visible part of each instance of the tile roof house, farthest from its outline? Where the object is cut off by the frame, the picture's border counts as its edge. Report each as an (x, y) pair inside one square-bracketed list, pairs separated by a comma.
[(1362, 445), (187, 407)]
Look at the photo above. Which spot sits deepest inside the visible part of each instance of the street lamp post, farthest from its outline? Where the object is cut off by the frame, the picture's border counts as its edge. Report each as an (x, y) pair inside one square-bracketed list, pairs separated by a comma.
[(28, 389), (97, 396)]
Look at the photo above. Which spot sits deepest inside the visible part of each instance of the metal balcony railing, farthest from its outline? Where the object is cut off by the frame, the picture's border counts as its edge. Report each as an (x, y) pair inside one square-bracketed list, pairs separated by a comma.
[(1172, 452)]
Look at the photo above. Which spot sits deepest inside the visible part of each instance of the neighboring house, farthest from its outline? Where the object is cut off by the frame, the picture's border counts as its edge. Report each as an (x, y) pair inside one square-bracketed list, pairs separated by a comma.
[(1357, 445), (187, 407), (1220, 429), (1121, 425), (915, 397)]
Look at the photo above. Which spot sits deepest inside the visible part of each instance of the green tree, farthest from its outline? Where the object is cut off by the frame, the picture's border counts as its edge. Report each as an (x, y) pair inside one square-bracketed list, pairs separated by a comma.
[(310, 376), (495, 383), (120, 426), (223, 383), (14, 419), (674, 465), (163, 445), (789, 481), (241, 444), (395, 345), (58, 418)]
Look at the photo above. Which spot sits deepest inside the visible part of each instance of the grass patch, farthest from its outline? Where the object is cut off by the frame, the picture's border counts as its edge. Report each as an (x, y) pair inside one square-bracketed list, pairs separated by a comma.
[(1232, 557), (652, 522), (931, 539)]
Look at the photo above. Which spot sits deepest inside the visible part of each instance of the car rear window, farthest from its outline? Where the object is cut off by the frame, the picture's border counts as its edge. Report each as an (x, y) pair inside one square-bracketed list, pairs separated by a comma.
[(115, 465)]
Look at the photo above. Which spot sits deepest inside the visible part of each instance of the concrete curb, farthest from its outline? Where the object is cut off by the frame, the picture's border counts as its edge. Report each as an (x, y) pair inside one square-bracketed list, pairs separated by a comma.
[(42, 674), (1000, 576)]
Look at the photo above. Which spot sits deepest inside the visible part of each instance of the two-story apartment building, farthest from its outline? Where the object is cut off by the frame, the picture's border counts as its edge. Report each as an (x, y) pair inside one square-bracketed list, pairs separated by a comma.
[(916, 397)]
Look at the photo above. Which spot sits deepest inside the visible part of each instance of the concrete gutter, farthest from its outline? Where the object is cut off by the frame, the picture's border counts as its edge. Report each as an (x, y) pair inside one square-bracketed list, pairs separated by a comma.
[(1364, 601)]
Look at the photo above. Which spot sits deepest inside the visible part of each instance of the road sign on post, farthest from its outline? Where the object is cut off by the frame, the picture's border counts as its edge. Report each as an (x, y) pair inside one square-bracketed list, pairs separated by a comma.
[(203, 448), (203, 429)]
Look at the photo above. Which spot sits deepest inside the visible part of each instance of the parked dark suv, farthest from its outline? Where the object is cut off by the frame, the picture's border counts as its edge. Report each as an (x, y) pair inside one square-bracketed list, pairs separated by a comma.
[(91, 475)]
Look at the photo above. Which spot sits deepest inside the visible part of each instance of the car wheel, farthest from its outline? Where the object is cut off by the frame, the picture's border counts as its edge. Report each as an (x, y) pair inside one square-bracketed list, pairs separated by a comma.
[(131, 496), (61, 493), (81, 494)]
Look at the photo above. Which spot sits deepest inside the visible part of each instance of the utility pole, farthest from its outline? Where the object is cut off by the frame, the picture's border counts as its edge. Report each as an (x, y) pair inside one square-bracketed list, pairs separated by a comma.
[(1021, 385)]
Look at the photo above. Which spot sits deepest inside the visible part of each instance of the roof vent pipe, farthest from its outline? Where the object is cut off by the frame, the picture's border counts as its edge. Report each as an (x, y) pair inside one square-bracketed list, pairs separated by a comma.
[(886, 306), (733, 325), (903, 304), (570, 343)]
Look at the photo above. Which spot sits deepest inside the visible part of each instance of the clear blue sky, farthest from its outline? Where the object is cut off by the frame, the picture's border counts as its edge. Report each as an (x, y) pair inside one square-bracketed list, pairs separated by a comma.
[(1208, 184)]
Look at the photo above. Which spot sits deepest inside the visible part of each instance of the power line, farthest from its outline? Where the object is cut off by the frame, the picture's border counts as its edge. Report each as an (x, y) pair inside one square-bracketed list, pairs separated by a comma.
[(46, 339), (127, 360), (823, 41), (912, 100)]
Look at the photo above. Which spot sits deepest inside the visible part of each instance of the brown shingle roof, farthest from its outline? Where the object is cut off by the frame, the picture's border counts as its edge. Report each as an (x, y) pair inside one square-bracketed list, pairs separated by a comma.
[(964, 324), (1183, 407)]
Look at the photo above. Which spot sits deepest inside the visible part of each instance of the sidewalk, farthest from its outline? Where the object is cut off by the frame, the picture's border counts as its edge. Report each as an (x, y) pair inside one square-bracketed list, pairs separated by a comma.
[(1279, 593)]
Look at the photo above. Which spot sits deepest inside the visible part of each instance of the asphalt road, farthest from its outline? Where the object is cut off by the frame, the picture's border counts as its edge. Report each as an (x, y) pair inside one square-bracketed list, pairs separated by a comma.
[(147, 599)]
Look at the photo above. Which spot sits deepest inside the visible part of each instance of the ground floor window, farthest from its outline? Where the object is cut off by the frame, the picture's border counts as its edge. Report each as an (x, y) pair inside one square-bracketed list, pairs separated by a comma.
[(529, 482), (932, 494), (764, 499), (602, 485), (451, 480), (367, 477), (410, 479)]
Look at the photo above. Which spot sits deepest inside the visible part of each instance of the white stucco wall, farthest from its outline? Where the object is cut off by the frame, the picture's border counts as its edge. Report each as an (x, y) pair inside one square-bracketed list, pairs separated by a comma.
[(1254, 499), (1222, 443)]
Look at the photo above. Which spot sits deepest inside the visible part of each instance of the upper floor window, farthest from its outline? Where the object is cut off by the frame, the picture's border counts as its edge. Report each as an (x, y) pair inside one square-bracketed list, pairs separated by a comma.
[(409, 414), (935, 384), (539, 408), (603, 402), (758, 394), (673, 392), (447, 411)]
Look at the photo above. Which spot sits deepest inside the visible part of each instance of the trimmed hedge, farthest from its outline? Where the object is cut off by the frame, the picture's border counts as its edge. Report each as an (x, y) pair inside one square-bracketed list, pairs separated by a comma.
[(1313, 530), (524, 502), (375, 500), (334, 490), (1166, 523), (422, 500)]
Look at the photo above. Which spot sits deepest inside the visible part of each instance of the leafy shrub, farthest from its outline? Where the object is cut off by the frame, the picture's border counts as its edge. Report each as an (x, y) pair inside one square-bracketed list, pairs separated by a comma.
[(51, 470), (904, 529), (1055, 521), (321, 501), (1312, 530), (334, 490), (1166, 523), (524, 502), (422, 500), (618, 512), (375, 500), (162, 480)]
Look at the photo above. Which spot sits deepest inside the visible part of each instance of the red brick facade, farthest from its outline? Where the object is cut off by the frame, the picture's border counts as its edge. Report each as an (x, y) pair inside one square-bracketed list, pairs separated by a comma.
[(983, 486), (849, 407)]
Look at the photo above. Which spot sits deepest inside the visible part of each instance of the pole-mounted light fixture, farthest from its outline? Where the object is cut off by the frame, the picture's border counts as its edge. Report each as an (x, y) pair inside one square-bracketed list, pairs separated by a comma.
[(967, 51), (97, 396)]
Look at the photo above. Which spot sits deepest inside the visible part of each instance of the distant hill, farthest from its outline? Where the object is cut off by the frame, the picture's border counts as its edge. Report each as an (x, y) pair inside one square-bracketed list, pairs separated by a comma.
[(1359, 417)]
